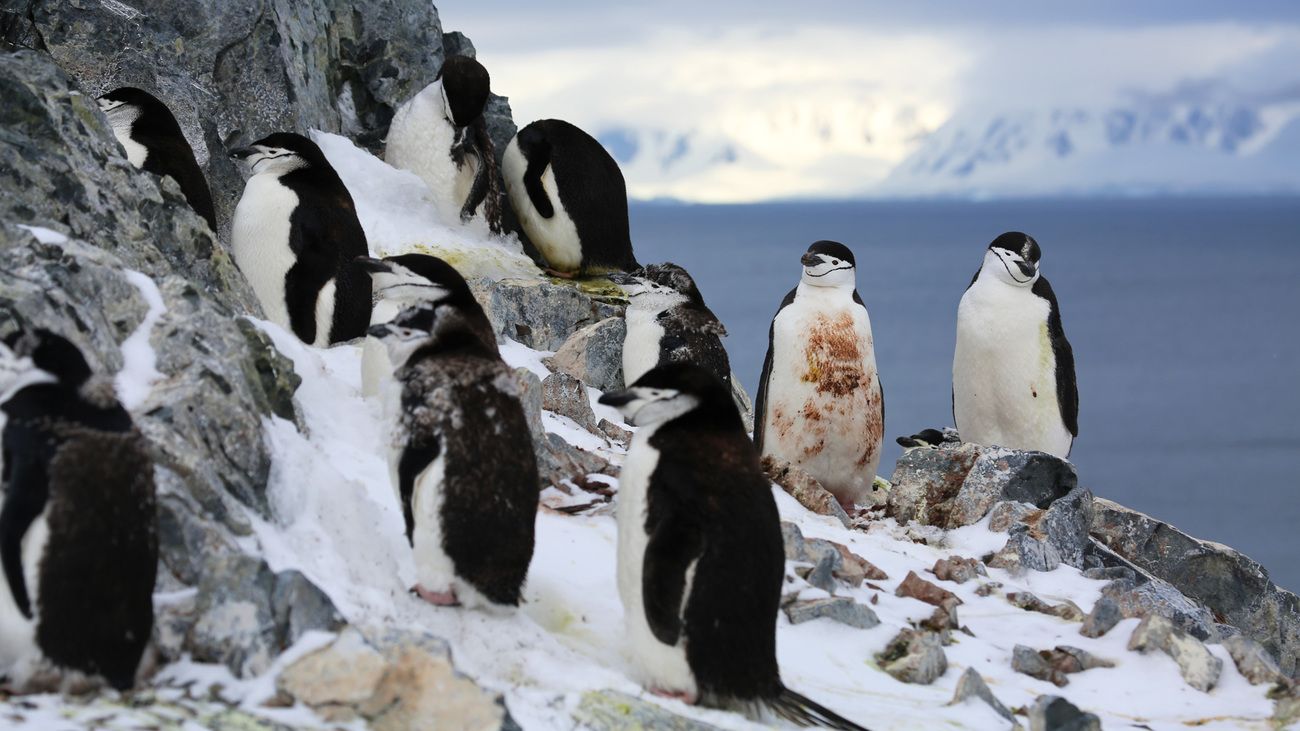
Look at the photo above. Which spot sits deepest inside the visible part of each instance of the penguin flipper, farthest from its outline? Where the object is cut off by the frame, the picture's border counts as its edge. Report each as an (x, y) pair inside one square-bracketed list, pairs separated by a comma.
[(27, 489), (760, 399), (539, 157), (676, 542), (416, 457), (800, 710)]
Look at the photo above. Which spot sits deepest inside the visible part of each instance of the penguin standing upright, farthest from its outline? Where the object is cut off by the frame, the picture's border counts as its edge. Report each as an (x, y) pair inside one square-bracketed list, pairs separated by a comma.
[(820, 404), (154, 142), (1013, 370), (668, 321), (700, 557), (78, 535), (461, 458), (296, 238), (406, 280), (441, 136), (570, 198)]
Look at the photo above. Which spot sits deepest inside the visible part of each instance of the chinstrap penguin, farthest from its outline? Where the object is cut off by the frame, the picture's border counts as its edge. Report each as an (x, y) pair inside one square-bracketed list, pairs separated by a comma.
[(570, 198), (441, 136), (461, 458), (700, 557), (154, 142), (820, 404), (1013, 370), (667, 321), (405, 280), (78, 535), (296, 238)]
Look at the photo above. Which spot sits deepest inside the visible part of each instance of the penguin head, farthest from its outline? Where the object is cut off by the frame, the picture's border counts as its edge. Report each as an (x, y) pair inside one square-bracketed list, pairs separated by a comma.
[(280, 153), (1013, 258), (672, 390), (465, 86), (130, 109), (30, 357), (657, 286), (828, 264), (434, 327), (412, 278)]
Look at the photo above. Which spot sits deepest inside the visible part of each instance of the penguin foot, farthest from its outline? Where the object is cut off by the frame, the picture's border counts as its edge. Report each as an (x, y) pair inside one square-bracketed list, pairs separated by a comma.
[(558, 273), (676, 695), (849, 506), (439, 598)]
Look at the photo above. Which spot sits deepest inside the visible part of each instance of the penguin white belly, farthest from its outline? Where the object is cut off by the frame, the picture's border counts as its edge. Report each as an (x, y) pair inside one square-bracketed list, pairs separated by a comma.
[(135, 152), (433, 567), (641, 344), (326, 300), (1004, 371), (259, 242), (823, 397), (658, 666), (375, 364), (420, 140), (555, 237), (19, 653)]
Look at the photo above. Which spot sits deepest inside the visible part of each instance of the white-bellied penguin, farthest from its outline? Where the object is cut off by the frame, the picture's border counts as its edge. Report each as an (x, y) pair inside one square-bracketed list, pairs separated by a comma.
[(667, 321), (296, 238), (1013, 370), (78, 533), (570, 198), (700, 556), (820, 403)]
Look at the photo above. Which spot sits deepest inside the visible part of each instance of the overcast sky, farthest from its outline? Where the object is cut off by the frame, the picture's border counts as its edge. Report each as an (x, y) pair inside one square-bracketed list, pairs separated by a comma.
[(799, 82)]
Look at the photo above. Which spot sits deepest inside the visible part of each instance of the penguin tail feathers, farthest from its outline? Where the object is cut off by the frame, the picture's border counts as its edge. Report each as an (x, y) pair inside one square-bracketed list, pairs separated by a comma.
[(795, 708)]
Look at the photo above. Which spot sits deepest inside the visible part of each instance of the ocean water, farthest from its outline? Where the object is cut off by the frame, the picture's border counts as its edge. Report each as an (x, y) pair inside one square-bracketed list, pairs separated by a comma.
[(1184, 316)]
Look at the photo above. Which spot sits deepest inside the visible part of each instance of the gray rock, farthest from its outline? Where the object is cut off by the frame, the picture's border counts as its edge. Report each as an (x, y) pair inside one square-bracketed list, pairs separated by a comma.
[(1199, 667), (543, 315), (957, 569), (1027, 661), (839, 608), (1104, 616), (185, 539), (743, 403), (1253, 661), (172, 622), (610, 710), (822, 573), (1230, 584), (1066, 610), (300, 607), (236, 619), (594, 355), (1110, 573), (565, 395), (1023, 551), (557, 460), (972, 685), (1150, 596), (1001, 474), (793, 541), (1066, 525), (914, 656), (803, 487), (1053, 713), (1007, 513), (925, 481)]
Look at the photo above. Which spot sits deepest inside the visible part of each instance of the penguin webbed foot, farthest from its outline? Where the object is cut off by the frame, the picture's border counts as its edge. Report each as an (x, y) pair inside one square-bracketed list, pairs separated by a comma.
[(560, 274), (437, 598), (684, 696)]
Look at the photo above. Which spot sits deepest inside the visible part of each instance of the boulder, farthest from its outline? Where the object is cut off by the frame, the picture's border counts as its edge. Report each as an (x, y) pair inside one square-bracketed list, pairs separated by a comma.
[(803, 487), (1199, 667), (594, 355), (1104, 616), (1001, 474), (925, 481), (564, 395), (838, 608), (542, 314), (914, 656)]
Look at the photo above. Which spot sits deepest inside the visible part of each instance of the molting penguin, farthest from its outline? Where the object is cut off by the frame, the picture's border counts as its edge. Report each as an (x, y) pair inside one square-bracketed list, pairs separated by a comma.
[(570, 198), (406, 280), (441, 136), (667, 321), (1013, 370), (296, 238), (154, 142), (461, 458), (700, 557), (820, 404), (78, 539)]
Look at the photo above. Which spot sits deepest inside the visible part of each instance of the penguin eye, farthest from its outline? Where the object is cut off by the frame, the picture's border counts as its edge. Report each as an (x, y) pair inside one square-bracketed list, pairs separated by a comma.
[(835, 261)]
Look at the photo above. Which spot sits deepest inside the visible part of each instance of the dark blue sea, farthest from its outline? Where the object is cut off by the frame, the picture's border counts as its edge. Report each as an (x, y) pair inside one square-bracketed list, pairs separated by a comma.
[(1184, 316)]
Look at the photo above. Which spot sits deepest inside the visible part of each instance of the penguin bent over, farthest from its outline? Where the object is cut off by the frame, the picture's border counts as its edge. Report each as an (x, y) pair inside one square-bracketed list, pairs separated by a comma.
[(461, 458), (570, 198), (1013, 370), (820, 404), (406, 280), (154, 142), (78, 533), (667, 321), (296, 238), (700, 556), (440, 135)]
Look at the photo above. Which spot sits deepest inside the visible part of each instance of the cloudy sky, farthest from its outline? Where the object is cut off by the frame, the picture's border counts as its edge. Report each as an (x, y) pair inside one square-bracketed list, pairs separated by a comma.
[(755, 100)]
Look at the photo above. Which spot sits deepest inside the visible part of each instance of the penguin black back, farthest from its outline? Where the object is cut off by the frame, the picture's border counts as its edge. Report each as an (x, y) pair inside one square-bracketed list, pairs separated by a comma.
[(155, 127)]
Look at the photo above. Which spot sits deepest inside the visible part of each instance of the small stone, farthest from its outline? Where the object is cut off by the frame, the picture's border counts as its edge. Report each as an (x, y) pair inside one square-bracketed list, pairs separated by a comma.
[(1253, 661), (857, 569), (958, 569), (564, 395), (1105, 614), (943, 620), (792, 538), (614, 433), (820, 575), (987, 587), (841, 609), (917, 588), (1200, 668), (1053, 713), (972, 685), (1029, 662), (914, 656), (1066, 610), (803, 487)]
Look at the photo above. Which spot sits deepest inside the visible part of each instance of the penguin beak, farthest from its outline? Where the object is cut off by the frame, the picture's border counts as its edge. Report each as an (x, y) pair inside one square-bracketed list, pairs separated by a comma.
[(373, 265), (620, 278), (617, 398), (810, 260), (243, 153), (379, 332)]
